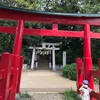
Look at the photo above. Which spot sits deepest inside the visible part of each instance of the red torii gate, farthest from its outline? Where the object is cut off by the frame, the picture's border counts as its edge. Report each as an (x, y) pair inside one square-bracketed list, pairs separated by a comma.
[(12, 73)]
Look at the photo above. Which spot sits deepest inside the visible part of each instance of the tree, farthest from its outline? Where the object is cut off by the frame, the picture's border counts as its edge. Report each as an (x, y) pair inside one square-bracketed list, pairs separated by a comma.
[(8, 2), (92, 6)]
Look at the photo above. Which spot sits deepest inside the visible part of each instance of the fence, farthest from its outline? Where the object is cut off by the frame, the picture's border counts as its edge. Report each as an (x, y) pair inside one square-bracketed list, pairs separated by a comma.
[(10, 74), (80, 77)]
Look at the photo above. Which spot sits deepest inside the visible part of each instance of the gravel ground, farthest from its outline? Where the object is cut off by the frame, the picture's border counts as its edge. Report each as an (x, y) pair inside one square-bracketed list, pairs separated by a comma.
[(41, 96)]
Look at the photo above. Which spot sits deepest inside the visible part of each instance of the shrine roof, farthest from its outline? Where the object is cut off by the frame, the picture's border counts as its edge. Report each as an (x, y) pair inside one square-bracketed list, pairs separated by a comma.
[(49, 13)]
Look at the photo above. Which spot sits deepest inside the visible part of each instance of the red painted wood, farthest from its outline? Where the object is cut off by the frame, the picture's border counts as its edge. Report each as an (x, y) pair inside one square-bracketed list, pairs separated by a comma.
[(0, 74), (95, 73), (43, 32), (46, 18), (5, 29), (60, 33), (55, 27), (99, 72), (14, 76), (5, 68), (19, 75), (87, 57), (95, 35), (79, 73), (96, 95), (99, 64), (16, 58), (54, 32), (18, 38)]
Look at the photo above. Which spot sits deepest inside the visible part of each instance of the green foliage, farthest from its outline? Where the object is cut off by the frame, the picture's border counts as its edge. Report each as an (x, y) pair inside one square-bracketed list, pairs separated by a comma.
[(26, 52), (52, 39), (32, 40), (71, 95), (58, 57), (6, 43), (27, 42), (6, 40), (95, 67), (95, 50), (29, 4), (69, 6), (8, 2), (25, 95), (90, 6), (7, 23), (69, 71)]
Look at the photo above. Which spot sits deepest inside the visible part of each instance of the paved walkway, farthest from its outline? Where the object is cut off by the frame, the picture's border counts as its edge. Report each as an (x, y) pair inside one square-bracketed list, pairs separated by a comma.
[(45, 85), (45, 81)]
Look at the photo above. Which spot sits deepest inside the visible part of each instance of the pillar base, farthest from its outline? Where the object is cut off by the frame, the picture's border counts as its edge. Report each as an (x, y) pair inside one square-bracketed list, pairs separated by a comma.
[(17, 97)]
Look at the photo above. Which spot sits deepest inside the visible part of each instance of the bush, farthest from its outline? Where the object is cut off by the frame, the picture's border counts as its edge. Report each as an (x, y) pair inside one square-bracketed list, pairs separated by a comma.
[(69, 71), (71, 95), (95, 67), (25, 95)]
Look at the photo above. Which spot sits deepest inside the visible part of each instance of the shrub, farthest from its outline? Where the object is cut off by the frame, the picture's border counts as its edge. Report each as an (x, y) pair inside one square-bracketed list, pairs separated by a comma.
[(69, 71), (65, 71), (95, 67), (25, 95)]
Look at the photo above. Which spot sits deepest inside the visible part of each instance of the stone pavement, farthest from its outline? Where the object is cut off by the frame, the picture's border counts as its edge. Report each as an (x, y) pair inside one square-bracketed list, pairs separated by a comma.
[(45, 81), (43, 96)]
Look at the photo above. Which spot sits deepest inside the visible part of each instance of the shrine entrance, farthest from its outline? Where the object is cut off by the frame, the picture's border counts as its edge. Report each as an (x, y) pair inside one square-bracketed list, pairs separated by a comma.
[(11, 63), (44, 56), (43, 62)]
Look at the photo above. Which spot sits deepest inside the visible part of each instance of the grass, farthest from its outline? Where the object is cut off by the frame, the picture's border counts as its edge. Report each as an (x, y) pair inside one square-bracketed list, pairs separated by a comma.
[(25, 95), (67, 95), (71, 95)]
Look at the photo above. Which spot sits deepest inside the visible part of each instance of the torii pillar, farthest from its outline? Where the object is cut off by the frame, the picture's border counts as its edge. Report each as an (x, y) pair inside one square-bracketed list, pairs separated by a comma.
[(87, 56), (16, 53)]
